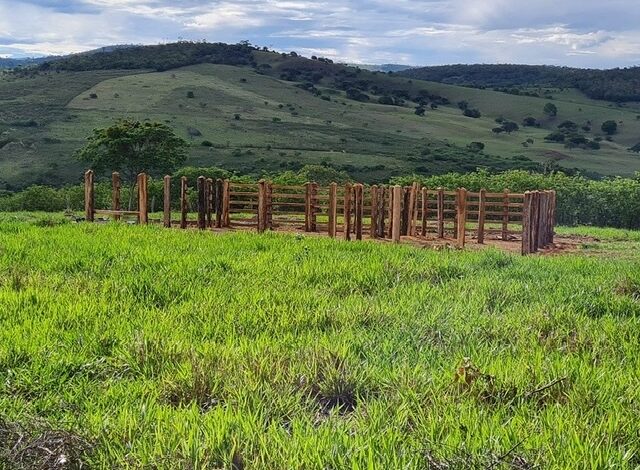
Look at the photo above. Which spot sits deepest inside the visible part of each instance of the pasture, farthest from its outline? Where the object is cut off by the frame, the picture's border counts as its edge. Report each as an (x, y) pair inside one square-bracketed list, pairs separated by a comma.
[(138, 346)]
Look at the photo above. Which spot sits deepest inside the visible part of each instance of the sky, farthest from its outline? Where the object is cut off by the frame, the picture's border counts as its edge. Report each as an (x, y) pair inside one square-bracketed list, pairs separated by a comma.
[(581, 33)]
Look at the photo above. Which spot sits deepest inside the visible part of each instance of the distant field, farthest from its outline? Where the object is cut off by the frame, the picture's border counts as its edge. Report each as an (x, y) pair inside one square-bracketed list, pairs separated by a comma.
[(166, 349), (279, 126)]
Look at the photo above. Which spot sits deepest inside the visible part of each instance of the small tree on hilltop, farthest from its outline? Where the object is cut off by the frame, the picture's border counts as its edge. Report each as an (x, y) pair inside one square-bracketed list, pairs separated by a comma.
[(131, 147)]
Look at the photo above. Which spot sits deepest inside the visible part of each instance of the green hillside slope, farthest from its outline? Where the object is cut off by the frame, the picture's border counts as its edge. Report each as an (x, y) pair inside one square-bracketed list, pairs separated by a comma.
[(281, 112)]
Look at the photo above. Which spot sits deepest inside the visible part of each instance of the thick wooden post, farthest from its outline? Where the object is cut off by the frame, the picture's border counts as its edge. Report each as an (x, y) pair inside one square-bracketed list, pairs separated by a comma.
[(202, 203), (552, 225), (89, 196), (219, 201), (262, 206), (440, 213), (413, 209), (396, 214), (505, 215), (381, 213), (226, 204), (184, 203), (359, 209), (268, 191), (346, 212), (390, 212), (143, 199), (535, 221), (333, 210), (406, 211), (526, 224), (482, 209), (166, 215), (461, 217), (373, 233), (424, 211), (210, 195), (115, 194)]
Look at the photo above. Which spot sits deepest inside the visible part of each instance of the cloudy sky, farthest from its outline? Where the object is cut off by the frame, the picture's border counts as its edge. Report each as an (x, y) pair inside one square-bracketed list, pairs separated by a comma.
[(585, 33)]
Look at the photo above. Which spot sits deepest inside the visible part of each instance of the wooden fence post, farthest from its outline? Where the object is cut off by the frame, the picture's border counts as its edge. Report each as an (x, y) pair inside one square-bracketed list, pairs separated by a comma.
[(210, 195), (381, 213), (115, 194), (526, 224), (406, 211), (413, 209), (505, 215), (482, 208), (313, 214), (396, 214), (307, 207), (333, 210), (89, 196), (440, 213), (143, 199), (461, 217), (373, 233), (202, 203), (390, 212), (359, 209), (226, 204), (535, 220), (346, 212), (184, 203), (167, 201), (219, 201), (552, 215), (425, 211), (262, 206)]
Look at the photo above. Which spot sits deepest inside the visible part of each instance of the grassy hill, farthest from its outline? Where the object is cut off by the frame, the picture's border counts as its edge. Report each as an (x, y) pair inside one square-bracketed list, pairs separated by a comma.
[(254, 111), (279, 352)]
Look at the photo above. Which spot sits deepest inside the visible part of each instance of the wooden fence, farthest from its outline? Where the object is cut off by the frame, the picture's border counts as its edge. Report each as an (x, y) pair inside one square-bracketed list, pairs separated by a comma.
[(350, 211)]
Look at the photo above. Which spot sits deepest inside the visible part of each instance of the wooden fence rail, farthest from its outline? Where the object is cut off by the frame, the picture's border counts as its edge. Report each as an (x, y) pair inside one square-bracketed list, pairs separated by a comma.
[(379, 212)]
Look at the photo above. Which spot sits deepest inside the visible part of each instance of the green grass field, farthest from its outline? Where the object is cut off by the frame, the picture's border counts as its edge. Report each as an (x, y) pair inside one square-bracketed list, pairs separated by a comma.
[(142, 347), (45, 118)]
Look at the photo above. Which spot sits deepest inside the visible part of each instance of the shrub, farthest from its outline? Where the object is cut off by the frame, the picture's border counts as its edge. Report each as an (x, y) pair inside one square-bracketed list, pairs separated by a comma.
[(472, 113)]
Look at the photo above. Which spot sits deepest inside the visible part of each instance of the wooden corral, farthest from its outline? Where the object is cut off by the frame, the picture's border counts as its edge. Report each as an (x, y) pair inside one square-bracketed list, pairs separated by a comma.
[(350, 211)]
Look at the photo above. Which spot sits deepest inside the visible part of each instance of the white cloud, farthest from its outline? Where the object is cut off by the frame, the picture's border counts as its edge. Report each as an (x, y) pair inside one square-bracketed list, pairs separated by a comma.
[(571, 32)]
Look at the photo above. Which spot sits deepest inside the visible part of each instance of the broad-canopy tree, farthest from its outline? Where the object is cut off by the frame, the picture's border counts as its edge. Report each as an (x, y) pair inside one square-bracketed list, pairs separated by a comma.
[(131, 147)]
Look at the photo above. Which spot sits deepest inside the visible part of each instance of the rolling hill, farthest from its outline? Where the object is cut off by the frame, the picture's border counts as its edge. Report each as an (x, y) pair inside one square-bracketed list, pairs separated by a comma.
[(255, 111)]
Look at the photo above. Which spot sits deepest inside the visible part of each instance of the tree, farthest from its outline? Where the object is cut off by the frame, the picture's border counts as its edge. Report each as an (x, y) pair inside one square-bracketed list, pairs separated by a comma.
[(510, 126), (472, 113), (131, 147), (530, 122), (420, 110), (550, 110), (476, 146), (609, 127)]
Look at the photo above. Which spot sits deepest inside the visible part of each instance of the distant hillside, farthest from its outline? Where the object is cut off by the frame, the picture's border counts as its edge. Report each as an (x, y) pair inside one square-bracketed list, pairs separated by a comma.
[(10, 63), (255, 111), (383, 67), (620, 85)]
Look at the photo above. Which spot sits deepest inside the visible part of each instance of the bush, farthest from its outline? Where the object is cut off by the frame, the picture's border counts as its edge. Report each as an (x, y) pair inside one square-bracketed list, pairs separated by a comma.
[(472, 113), (609, 127)]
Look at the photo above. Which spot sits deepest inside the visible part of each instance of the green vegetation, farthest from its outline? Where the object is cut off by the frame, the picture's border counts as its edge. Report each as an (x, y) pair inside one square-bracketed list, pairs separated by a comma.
[(260, 111), (132, 147), (618, 85), (146, 347)]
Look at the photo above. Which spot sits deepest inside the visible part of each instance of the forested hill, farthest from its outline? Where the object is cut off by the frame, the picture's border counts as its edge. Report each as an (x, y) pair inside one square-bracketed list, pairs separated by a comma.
[(619, 85), (159, 57)]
